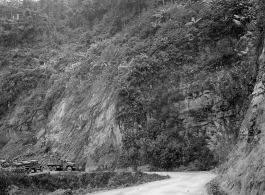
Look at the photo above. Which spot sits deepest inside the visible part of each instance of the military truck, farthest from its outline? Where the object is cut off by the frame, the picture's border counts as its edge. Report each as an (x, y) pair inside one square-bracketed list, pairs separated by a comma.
[(35, 166), (61, 165), (22, 165), (28, 166)]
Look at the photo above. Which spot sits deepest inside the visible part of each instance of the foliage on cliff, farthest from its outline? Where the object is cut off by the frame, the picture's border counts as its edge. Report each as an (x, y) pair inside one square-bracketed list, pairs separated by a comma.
[(151, 53), (192, 44)]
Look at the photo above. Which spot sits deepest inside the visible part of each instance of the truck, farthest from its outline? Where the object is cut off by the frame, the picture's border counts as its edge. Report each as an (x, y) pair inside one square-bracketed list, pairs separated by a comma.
[(35, 166), (61, 165), (23, 165), (28, 166)]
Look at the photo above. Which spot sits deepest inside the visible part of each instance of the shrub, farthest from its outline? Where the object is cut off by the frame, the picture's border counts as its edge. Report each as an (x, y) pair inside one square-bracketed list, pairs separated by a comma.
[(49, 183)]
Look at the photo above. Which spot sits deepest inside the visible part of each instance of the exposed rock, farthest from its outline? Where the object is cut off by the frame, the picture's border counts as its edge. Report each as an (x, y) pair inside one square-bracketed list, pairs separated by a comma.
[(243, 173), (82, 131), (209, 113), (66, 108)]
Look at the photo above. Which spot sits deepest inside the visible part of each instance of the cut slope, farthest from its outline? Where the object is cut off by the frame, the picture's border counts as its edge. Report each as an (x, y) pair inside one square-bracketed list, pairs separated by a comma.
[(243, 173)]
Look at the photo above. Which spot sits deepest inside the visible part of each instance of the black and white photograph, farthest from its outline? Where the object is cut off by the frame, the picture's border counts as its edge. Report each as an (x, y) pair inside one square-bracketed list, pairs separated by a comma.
[(132, 97)]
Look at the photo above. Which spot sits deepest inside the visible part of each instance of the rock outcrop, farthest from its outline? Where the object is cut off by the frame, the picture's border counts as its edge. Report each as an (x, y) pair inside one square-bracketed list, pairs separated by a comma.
[(82, 130), (176, 77), (207, 114), (50, 120), (243, 172)]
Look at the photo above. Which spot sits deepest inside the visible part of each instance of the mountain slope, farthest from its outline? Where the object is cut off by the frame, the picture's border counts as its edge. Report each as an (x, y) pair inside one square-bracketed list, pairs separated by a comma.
[(166, 85), (243, 172)]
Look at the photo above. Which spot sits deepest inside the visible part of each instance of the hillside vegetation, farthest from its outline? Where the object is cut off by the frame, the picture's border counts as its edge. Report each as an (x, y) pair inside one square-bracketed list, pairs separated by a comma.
[(123, 83), (70, 183)]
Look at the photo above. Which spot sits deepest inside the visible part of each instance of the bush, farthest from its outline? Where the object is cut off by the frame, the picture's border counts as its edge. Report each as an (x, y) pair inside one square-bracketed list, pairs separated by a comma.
[(73, 181), (8, 178)]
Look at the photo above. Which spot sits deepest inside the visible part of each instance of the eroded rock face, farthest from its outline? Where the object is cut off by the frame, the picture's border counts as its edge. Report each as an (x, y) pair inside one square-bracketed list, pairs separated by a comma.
[(210, 115), (83, 131), (54, 121), (83, 128), (244, 173), (86, 131)]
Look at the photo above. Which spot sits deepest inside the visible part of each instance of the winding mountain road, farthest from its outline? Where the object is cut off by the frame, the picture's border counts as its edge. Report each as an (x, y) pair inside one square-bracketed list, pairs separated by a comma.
[(188, 183)]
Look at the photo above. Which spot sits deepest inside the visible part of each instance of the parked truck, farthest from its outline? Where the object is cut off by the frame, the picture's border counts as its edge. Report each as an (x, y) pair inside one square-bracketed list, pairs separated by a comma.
[(61, 165), (35, 166), (23, 165), (28, 166)]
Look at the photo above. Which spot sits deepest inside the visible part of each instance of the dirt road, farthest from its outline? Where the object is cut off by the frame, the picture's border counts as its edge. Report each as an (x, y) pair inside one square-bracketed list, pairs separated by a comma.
[(191, 183)]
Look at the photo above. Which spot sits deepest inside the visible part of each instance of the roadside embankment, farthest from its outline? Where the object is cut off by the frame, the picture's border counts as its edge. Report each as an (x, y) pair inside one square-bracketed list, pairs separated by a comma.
[(78, 183)]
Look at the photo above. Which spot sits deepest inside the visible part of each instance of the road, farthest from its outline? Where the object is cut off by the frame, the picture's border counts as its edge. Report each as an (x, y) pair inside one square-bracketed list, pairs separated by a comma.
[(189, 183)]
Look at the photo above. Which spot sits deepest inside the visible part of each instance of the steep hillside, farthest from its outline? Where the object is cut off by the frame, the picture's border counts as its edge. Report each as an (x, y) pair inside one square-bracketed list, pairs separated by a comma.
[(243, 171), (189, 85), (136, 82), (59, 116)]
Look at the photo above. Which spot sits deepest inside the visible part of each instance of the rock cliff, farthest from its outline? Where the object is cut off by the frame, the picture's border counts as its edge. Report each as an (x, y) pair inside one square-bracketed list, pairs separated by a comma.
[(171, 86), (52, 120), (243, 171)]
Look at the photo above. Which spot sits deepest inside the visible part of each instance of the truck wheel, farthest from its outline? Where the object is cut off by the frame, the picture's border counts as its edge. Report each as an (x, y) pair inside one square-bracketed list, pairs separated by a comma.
[(41, 169), (54, 168), (69, 169)]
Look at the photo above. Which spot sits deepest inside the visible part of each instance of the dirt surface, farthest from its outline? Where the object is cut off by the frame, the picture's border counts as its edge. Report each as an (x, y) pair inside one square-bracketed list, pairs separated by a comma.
[(190, 183)]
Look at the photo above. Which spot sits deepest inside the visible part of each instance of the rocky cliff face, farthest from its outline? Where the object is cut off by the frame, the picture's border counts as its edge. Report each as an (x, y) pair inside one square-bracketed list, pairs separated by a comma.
[(177, 78), (60, 118), (52, 120), (243, 172), (210, 115), (86, 131), (83, 131)]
